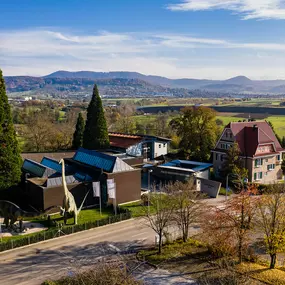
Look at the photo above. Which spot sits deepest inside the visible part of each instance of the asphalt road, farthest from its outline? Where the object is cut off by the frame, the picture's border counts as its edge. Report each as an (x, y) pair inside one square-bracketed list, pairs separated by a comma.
[(66, 255)]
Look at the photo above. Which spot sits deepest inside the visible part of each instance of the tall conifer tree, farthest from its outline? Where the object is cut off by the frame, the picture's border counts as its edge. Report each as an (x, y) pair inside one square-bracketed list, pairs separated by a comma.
[(78, 134), (96, 132), (10, 158)]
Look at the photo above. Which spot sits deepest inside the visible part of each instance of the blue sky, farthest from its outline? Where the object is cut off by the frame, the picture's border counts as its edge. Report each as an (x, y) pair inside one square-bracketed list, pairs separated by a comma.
[(214, 39)]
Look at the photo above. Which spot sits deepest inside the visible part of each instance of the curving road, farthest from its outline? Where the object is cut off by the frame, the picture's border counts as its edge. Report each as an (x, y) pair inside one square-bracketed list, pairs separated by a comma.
[(62, 256)]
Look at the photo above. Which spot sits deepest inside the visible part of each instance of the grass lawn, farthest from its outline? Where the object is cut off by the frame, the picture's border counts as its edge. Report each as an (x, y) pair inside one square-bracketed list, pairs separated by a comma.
[(170, 251), (277, 121), (192, 259), (137, 209), (85, 216), (229, 119), (262, 273)]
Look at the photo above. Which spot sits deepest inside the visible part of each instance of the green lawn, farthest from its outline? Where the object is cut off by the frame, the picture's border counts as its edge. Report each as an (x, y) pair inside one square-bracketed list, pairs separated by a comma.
[(277, 121), (137, 209), (85, 216), (228, 119), (172, 251)]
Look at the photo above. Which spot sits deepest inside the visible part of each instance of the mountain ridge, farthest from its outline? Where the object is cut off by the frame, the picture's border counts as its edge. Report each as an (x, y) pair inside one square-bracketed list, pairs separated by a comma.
[(134, 84)]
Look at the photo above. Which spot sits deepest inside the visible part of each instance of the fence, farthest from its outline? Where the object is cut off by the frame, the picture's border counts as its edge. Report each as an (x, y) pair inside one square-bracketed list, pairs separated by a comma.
[(65, 230)]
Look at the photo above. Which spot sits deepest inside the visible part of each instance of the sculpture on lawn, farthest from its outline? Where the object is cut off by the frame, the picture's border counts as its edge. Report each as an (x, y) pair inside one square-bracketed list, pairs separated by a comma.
[(69, 207), (12, 213)]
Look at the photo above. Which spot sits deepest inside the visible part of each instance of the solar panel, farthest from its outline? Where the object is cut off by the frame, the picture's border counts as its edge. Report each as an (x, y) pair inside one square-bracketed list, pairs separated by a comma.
[(96, 159)]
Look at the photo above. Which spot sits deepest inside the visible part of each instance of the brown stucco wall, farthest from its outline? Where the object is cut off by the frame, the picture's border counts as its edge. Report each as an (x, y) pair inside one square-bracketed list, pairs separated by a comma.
[(128, 185), (54, 196), (43, 198)]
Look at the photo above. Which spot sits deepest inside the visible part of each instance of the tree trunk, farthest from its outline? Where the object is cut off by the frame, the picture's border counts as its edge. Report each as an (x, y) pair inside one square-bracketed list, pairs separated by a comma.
[(185, 233), (273, 260), (160, 243), (240, 252)]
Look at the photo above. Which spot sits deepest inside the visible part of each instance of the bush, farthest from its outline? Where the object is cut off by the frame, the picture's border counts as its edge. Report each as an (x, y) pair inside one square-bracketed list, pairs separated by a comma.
[(223, 192), (103, 274), (264, 188)]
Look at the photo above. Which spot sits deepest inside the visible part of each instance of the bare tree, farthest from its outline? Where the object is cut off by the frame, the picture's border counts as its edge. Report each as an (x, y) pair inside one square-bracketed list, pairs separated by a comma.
[(160, 216), (188, 208), (230, 227), (271, 221)]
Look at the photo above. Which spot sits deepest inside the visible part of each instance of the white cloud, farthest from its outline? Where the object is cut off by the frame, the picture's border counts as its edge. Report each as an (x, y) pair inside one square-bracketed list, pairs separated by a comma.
[(249, 9), (39, 52)]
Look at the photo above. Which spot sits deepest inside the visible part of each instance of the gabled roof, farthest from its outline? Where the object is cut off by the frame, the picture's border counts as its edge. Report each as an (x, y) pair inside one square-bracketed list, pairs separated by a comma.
[(249, 135), (107, 163), (96, 159), (54, 164), (37, 169), (125, 141)]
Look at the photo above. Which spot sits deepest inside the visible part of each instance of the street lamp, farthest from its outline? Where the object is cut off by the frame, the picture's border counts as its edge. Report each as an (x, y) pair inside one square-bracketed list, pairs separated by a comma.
[(149, 172)]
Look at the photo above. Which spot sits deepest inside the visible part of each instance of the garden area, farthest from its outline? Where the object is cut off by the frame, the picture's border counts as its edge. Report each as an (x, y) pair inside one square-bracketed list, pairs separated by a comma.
[(88, 219), (195, 260)]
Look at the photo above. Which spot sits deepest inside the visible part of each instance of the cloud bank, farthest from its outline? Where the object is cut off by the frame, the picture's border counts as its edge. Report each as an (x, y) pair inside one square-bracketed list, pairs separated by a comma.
[(249, 9), (39, 52)]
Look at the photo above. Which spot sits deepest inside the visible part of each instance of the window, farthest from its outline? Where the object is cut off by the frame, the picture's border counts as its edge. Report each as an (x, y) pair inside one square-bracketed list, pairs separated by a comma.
[(270, 167), (164, 145), (258, 162), (222, 157), (266, 160), (278, 157), (231, 135), (258, 176), (159, 145), (217, 156), (225, 146)]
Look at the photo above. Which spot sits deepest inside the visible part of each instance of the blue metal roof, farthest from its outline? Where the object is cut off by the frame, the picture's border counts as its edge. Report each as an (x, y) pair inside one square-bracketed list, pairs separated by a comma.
[(54, 164), (82, 176), (51, 163), (36, 168), (96, 159), (188, 164)]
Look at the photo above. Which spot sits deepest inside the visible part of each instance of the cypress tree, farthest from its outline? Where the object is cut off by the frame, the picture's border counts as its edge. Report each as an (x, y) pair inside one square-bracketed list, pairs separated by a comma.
[(10, 158), (96, 132), (78, 134)]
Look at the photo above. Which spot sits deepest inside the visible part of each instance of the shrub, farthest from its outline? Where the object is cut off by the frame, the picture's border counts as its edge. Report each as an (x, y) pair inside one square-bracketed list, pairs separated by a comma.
[(223, 192)]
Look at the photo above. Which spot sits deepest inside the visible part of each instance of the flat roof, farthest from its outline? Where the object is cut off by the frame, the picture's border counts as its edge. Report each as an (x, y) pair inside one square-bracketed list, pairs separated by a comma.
[(185, 165)]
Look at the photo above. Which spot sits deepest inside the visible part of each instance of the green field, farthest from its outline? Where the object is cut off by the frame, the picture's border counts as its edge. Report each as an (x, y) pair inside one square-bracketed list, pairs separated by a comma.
[(277, 121)]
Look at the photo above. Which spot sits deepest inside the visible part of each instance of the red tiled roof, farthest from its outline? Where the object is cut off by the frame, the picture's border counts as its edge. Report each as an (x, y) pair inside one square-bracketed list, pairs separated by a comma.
[(123, 140), (249, 135)]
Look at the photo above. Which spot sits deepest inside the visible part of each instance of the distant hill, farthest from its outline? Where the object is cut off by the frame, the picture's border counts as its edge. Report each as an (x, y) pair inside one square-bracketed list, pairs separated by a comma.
[(239, 84), (152, 79), (239, 80), (122, 83)]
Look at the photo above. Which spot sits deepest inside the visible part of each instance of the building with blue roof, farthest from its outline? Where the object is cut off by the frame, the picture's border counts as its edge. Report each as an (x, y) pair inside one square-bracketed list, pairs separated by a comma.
[(182, 170), (44, 182)]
